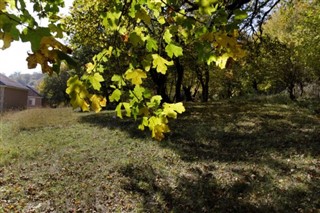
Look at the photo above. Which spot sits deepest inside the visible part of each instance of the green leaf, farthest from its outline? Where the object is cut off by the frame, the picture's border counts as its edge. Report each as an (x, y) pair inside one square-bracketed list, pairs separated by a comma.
[(173, 50), (118, 110), (127, 108), (167, 36), (34, 36), (151, 44), (119, 80), (147, 62), (160, 63), (144, 123), (137, 93), (161, 20), (155, 101), (143, 15), (115, 96), (110, 21), (240, 14), (7, 39), (95, 81), (135, 39)]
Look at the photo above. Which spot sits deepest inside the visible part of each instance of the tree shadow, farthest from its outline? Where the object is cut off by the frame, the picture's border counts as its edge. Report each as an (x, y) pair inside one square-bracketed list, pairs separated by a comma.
[(240, 133), (233, 134), (199, 191), (107, 119)]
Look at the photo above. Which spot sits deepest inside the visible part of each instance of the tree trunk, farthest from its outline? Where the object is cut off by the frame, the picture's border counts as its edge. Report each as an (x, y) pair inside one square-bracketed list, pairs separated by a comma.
[(205, 86), (160, 82), (187, 93), (180, 72), (291, 91)]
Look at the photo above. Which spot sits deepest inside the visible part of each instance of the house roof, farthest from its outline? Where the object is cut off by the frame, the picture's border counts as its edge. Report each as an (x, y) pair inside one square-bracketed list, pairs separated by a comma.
[(33, 92), (5, 81)]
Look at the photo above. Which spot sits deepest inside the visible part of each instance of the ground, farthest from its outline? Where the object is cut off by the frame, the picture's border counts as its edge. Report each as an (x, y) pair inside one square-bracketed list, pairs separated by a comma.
[(256, 155)]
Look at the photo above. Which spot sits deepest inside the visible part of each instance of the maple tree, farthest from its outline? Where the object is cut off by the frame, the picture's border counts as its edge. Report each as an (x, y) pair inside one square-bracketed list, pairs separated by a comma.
[(145, 39), (297, 27)]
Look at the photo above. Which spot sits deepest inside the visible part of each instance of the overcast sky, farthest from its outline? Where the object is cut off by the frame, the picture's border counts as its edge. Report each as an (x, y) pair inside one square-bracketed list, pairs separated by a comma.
[(13, 59)]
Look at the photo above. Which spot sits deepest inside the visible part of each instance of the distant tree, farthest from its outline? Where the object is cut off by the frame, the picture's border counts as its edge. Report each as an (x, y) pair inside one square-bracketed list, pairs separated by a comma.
[(53, 89), (296, 25)]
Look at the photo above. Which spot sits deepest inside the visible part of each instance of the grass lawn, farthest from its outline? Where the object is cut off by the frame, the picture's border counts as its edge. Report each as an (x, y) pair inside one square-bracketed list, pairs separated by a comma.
[(230, 156)]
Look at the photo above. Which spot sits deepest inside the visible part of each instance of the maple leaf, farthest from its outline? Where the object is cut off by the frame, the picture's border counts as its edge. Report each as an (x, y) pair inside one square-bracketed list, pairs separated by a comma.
[(143, 15), (97, 102), (167, 36), (119, 80), (78, 93), (173, 50), (95, 81), (115, 96), (158, 126), (127, 108), (118, 110), (144, 123), (159, 130), (7, 39), (135, 76), (154, 101), (171, 110), (151, 44), (47, 54), (160, 63), (222, 60)]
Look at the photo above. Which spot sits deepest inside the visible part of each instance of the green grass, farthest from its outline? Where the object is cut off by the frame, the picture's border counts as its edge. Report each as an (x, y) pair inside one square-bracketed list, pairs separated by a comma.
[(232, 156)]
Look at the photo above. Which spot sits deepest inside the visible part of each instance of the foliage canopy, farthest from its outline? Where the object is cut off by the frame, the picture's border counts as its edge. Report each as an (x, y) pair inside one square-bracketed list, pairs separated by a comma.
[(132, 43)]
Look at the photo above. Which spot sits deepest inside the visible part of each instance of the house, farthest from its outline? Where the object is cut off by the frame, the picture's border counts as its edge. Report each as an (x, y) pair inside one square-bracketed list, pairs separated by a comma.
[(34, 98), (13, 95)]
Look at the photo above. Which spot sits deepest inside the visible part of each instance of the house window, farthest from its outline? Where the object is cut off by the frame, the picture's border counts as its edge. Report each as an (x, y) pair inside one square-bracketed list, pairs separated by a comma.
[(32, 101)]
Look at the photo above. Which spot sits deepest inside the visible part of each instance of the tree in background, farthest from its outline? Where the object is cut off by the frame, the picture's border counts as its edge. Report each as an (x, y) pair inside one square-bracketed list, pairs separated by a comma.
[(53, 89), (143, 42), (296, 27)]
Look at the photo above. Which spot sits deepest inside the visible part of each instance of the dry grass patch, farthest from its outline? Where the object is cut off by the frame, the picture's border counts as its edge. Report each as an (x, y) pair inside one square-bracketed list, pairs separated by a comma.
[(40, 118)]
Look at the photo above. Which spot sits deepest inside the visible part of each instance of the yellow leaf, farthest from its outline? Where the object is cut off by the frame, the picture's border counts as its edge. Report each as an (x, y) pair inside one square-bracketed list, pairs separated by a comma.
[(160, 63), (222, 60), (3, 5), (89, 67), (39, 58), (159, 130), (7, 39), (171, 110), (97, 102), (47, 54), (158, 126), (135, 76)]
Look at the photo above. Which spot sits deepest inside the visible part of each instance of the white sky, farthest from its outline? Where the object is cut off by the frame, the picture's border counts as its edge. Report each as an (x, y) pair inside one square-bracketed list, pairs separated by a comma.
[(13, 59)]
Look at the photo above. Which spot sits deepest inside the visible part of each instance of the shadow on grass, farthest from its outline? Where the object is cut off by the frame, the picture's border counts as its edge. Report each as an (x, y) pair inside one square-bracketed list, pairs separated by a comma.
[(199, 191), (107, 119), (255, 134), (243, 132)]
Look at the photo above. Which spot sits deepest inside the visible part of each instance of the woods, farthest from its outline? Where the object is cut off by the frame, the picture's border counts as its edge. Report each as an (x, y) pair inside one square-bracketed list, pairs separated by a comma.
[(136, 52)]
